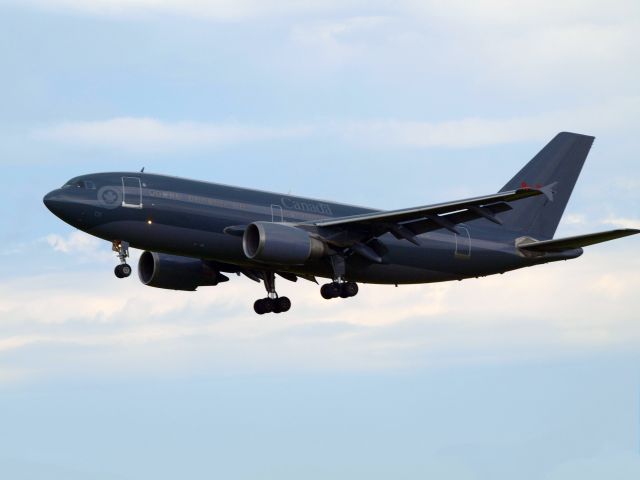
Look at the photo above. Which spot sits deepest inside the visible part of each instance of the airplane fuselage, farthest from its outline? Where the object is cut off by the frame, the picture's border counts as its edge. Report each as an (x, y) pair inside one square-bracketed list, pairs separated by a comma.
[(188, 218)]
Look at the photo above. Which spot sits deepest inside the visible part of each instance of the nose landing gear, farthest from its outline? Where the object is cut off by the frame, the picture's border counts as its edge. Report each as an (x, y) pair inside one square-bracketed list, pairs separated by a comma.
[(122, 249), (273, 303)]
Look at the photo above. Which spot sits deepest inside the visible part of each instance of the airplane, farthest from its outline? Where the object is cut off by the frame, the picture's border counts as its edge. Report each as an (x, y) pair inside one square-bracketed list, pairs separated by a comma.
[(193, 232)]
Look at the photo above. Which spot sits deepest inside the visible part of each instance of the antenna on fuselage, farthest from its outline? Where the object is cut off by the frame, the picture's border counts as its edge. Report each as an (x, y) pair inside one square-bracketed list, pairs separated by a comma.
[(142, 171)]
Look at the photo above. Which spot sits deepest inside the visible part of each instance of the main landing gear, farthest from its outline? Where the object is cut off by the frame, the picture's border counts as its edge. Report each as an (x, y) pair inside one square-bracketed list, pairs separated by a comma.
[(339, 287), (273, 303), (122, 249)]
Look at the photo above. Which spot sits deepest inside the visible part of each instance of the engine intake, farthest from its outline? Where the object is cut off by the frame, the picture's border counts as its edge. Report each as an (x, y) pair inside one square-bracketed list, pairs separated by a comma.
[(176, 273), (280, 243)]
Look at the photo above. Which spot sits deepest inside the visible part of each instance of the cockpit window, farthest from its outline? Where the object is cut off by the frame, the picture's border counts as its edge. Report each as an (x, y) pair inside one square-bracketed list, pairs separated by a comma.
[(78, 183), (74, 182)]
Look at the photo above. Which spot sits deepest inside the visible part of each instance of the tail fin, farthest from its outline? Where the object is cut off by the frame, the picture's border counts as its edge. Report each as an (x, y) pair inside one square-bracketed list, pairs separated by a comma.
[(558, 166)]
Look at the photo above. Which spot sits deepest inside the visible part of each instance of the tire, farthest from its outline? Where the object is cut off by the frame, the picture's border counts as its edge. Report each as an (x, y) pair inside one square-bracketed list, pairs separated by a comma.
[(268, 305), (283, 304), (329, 291), (324, 291), (276, 307), (118, 272), (126, 270), (258, 307), (350, 289)]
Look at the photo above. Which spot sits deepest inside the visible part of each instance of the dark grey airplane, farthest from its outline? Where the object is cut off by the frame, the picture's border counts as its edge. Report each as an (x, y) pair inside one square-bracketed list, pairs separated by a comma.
[(194, 231)]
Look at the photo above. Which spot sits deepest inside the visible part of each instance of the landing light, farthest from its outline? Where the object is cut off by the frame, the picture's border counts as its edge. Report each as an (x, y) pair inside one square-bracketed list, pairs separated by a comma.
[(149, 222)]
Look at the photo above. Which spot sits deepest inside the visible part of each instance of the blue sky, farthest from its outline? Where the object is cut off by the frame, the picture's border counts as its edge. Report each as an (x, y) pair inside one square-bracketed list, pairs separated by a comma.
[(531, 375)]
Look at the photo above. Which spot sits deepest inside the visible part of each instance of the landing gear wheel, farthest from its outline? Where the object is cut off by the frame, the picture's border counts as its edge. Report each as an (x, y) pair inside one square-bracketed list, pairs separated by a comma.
[(257, 307), (268, 305), (264, 305), (335, 290), (281, 305), (122, 271), (330, 290), (349, 289)]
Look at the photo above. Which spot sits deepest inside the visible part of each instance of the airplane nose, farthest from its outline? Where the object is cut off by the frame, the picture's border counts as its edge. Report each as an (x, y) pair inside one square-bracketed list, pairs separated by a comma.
[(54, 202), (67, 209), (49, 198)]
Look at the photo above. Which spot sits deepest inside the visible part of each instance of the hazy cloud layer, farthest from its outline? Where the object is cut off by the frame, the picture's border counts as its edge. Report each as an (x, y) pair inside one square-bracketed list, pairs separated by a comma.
[(531, 375), (212, 9), (623, 222), (487, 12), (152, 135), (474, 132), (534, 314), (570, 46), (147, 134)]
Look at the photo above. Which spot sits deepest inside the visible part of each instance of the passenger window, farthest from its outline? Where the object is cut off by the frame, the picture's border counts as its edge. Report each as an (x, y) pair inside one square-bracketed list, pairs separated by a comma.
[(89, 185)]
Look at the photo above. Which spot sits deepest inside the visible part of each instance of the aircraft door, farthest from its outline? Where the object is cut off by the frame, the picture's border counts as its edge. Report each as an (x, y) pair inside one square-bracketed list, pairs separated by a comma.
[(276, 214), (131, 192), (463, 242)]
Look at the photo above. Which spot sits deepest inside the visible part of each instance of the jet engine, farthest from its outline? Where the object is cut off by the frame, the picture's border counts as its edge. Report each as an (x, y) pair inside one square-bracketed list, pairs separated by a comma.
[(281, 244), (176, 273)]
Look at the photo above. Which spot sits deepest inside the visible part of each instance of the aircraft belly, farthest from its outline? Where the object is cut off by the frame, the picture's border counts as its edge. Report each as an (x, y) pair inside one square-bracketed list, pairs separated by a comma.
[(175, 240), (435, 261), (397, 274)]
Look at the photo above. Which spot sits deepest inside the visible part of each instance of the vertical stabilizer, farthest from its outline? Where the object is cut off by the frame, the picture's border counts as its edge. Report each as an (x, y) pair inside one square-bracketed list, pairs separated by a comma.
[(557, 166)]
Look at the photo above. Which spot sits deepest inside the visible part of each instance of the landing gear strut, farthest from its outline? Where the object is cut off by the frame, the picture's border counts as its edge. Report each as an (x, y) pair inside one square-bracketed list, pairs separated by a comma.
[(273, 303), (339, 287), (122, 249)]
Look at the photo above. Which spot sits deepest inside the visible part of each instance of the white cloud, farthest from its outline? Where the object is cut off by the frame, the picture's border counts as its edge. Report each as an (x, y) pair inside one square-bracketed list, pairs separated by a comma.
[(574, 219), (213, 9), (574, 48), (622, 222), (336, 42), (544, 45), (582, 54), (148, 134), (494, 12), (472, 132), (82, 245), (102, 322)]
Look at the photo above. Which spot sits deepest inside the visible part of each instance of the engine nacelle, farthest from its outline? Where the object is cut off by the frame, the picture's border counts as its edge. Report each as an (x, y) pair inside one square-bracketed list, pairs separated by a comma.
[(176, 273), (281, 244)]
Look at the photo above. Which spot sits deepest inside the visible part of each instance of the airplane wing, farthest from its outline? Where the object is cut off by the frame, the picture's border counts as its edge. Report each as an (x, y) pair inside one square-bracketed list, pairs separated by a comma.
[(407, 223), (570, 243), (408, 214)]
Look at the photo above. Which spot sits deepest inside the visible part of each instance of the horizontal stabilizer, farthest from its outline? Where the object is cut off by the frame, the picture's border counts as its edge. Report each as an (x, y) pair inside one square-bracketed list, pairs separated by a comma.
[(570, 243)]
